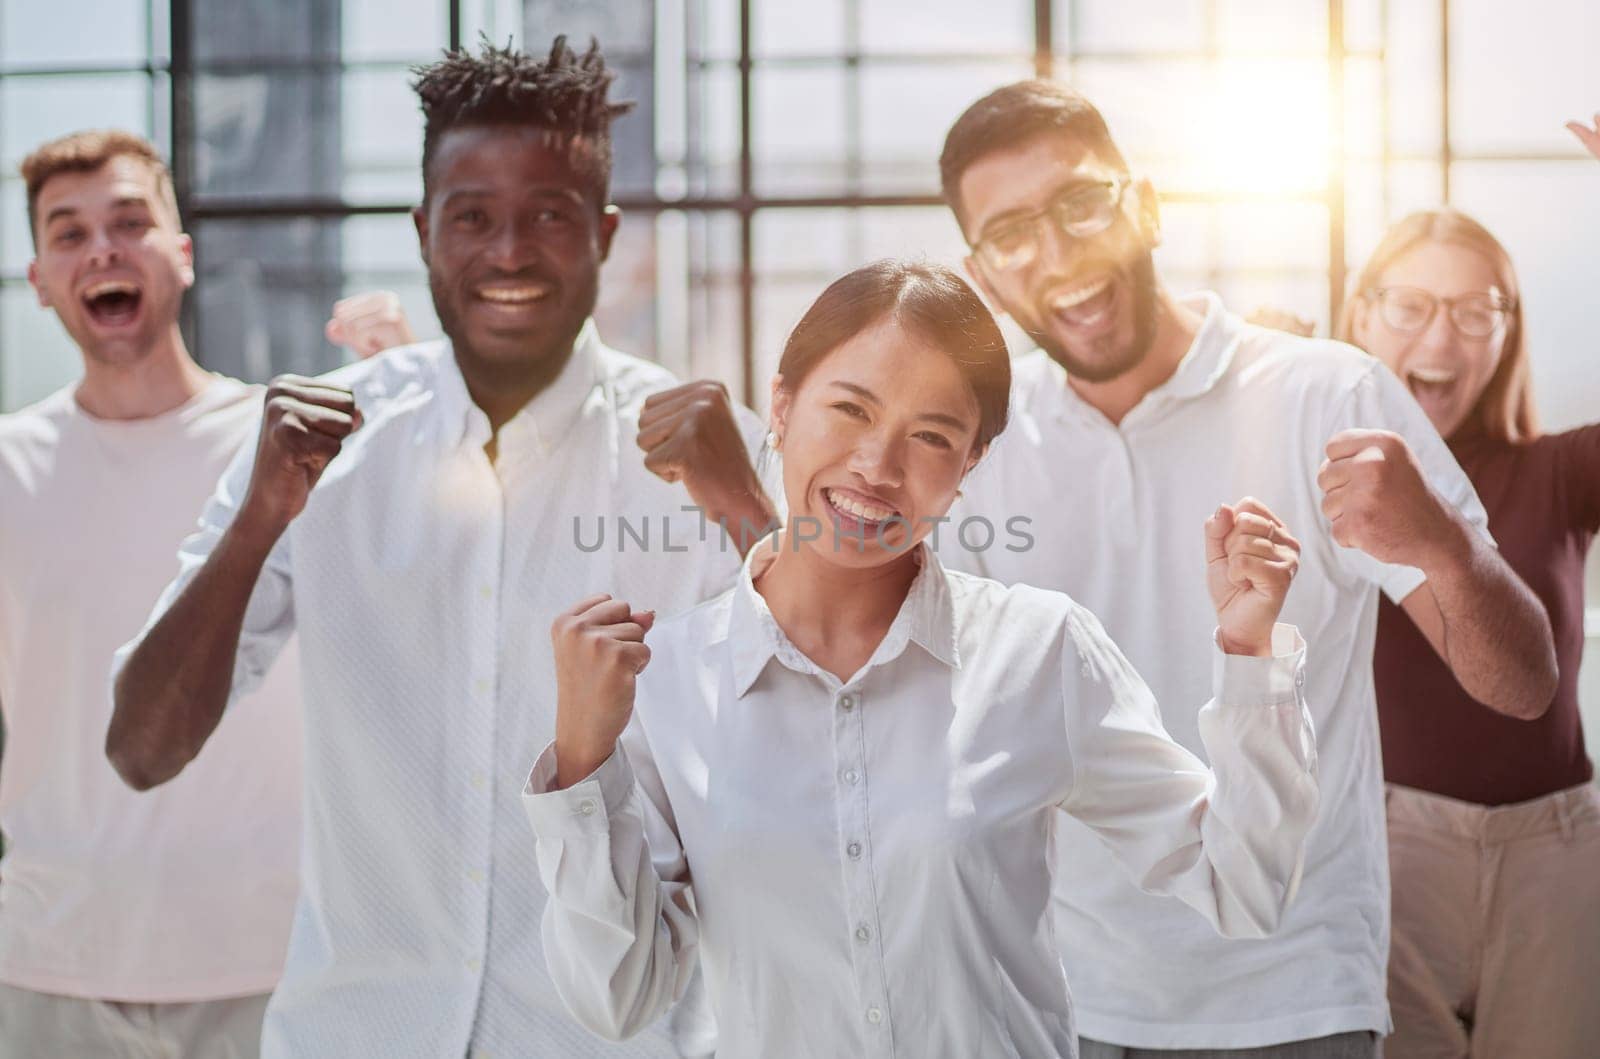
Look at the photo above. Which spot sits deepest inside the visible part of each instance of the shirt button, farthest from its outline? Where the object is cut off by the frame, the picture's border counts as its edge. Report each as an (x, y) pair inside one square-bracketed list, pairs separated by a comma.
[(481, 686), (479, 782), (863, 933), (854, 850), (485, 592), (474, 964), (475, 875), (874, 1015), (851, 776), (586, 807), (847, 703)]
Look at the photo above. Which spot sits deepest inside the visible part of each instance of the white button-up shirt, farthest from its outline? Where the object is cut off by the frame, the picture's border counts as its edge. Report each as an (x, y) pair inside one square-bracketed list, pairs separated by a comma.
[(863, 867), (1115, 516), (423, 581)]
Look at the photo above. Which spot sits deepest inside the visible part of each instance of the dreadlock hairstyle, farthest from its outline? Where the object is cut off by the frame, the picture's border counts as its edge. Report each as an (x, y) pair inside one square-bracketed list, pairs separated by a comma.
[(564, 95)]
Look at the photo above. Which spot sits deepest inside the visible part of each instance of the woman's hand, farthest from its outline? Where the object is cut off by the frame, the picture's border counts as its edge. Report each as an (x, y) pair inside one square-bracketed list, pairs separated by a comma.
[(599, 652), (1250, 560), (1590, 138)]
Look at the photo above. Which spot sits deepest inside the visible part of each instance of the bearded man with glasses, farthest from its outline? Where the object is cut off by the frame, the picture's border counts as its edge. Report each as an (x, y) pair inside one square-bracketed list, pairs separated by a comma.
[(1136, 413)]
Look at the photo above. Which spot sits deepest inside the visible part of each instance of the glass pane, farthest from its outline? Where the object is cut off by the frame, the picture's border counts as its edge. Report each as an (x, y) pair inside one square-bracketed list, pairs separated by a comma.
[(626, 311), (633, 166), (262, 294), (711, 145), (36, 109), (623, 27), (35, 34), (1188, 237), (1272, 235), (235, 31), (796, 127), (1246, 126), (812, 244), (711, 28), (906, 110), (928, 232), (1363, 108), (36, 356), (1363, 25), (1412, 56), (1555, 269), (273, 135), (1304, 295), (814, 28), (933, 27), (1557, 47), (1414, 186), (17, 248), (1158, 112), (394, 30), (380, 138), (1299, 26), (1089, 26)]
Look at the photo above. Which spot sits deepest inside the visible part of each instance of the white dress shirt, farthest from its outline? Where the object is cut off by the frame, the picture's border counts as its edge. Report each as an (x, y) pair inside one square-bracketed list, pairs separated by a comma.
[(106, 892), (1115, 513), (423, 581), (863, 867)]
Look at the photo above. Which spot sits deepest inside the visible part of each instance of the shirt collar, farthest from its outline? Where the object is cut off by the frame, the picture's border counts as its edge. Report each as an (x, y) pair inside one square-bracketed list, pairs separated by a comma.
[(542, 421), (1203, 365), (926, 618)]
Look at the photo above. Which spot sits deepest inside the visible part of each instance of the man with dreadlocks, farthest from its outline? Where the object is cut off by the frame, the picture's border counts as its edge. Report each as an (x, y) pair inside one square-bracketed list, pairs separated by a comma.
[(421, 518)]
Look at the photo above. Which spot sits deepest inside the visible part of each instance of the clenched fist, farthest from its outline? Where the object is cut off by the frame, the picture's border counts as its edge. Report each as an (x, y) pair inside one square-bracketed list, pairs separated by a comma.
[(689, 435), (1251, 558), (1377, 500), (599, 652), (369, 323), (303, 427)]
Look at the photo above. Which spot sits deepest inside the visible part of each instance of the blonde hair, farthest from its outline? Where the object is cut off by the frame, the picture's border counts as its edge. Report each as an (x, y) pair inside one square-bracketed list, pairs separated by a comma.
[(84, 152), (1505, 410)]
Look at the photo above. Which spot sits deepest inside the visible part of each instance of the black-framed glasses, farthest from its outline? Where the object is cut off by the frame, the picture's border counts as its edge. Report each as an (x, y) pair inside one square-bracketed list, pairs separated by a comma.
[(1410, 309), (1081, 211)]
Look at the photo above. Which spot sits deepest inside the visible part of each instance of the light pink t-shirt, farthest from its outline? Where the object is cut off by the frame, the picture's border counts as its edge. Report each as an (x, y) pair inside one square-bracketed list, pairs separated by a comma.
[(177, 894)]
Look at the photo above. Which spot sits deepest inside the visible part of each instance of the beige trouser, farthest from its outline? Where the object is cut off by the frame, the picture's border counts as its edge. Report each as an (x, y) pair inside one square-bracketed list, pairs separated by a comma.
[(1496, 949), (37, 1025)]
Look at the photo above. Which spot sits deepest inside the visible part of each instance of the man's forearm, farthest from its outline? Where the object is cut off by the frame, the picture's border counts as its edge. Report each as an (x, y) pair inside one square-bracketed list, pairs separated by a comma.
[(174, 687), (1496, 634)]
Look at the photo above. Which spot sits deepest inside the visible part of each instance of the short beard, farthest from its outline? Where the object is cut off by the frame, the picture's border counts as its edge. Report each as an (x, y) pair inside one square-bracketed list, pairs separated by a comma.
[(1113, 363), (533, 373)]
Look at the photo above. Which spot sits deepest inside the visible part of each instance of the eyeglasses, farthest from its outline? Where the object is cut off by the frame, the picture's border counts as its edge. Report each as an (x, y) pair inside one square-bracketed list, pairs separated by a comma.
[(1081, 211), (1410, 309)]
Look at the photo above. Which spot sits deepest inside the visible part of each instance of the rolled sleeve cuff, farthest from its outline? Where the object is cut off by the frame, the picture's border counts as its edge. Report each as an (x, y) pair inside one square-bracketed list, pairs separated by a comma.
[(1245, 680), (587, 806)]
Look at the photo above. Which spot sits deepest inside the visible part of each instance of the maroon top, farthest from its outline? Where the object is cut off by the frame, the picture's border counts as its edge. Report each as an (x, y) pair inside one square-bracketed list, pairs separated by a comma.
[(1543, 500)]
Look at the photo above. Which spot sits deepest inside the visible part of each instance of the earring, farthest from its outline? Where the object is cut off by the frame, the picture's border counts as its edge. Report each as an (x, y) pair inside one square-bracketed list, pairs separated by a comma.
[(774, 442)]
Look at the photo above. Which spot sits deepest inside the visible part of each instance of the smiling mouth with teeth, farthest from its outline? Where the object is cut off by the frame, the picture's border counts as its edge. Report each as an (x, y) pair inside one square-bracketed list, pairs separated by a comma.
[(857, 510), (112, 302), (514, 296), (1084, 304)]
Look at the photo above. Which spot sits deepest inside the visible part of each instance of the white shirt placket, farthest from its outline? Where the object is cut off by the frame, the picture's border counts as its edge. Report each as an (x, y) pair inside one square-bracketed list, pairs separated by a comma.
[(483, 589), (861, 901)]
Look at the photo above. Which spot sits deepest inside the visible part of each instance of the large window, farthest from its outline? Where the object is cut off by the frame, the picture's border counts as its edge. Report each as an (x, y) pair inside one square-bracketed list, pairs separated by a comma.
[(778, 144)]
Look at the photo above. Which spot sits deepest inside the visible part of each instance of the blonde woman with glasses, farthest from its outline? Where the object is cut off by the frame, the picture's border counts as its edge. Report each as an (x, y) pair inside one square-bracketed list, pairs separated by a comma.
[(1494, 822)]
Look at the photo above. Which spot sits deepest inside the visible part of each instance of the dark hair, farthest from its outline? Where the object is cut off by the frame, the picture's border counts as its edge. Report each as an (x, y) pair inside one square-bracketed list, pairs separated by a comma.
[(929, 300), (1014, 115), (565, 94)]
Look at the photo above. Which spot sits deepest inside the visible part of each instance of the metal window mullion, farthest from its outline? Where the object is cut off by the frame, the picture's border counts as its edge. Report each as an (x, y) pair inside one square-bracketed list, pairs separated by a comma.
[(747, 336), (1336, 162)]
